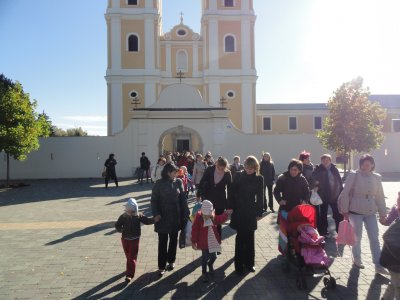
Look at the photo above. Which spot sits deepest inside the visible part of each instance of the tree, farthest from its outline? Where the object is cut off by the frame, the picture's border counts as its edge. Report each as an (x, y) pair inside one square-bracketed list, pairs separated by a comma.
[(353, 122), (69, 132), (20, 125)]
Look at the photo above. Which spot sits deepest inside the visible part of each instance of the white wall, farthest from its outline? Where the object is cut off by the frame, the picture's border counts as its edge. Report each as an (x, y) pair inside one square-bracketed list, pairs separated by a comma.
[(83, 157)]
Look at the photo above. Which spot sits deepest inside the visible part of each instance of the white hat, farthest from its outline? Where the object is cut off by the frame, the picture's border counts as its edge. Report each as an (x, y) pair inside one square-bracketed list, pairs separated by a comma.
[(131, 205), (207, 208)]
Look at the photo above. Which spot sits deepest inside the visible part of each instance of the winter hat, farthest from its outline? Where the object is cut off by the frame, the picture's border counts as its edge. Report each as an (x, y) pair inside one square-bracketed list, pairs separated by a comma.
[(304, 155), (131, 205), (207, 208)]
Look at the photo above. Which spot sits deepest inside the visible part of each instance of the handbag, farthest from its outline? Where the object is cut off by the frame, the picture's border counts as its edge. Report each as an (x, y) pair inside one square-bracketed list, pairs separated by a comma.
[(346, 235), (315, 199), (104, 173), (182, 239)]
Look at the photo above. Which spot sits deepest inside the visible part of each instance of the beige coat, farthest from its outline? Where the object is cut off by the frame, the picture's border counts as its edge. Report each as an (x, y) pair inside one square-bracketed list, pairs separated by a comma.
[(368, 197)]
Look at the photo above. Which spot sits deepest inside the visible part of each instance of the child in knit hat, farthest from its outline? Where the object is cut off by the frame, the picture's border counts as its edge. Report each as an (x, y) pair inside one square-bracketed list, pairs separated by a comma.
[(129, 225), (205, 236)]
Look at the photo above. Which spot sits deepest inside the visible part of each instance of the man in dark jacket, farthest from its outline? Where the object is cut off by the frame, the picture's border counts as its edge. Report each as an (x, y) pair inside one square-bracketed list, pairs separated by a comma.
[(328, 183), (144, 168), (267, 170)]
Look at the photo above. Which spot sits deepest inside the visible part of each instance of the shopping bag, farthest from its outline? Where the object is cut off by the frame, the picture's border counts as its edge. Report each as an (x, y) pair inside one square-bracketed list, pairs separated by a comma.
[(346, 235), (188, 232), (315, 199)]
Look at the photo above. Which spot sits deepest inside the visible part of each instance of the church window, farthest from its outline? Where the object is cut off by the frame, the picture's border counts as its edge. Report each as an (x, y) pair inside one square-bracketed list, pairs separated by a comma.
[(230, 94), (292, 123), (133, 43), (317, 123), (229, 43), (181, 61), (267, 123), (228, 3), (181, 32), (132, 2)]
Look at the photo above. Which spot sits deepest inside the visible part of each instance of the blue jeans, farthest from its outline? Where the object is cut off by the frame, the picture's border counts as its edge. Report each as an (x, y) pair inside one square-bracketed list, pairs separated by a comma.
[(207, 258), (371, 225)]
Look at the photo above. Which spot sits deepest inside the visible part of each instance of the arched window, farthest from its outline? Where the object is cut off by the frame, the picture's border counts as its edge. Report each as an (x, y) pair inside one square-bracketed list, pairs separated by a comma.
[(181, 61), (133, 43), (229, 43)]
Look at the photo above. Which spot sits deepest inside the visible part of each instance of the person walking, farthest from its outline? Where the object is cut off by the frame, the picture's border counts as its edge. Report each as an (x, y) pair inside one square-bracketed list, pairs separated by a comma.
[(199, 168), (144, 168), (157, 170), (247, 205), (215, 185), (360, 200), (308, 167), (109, 166), (267, 170), (236, 167), (171, 212), (327, 182), (129, 225)]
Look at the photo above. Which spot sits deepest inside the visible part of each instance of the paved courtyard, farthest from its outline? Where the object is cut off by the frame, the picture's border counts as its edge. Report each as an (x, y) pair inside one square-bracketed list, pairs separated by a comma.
[(58, 242)]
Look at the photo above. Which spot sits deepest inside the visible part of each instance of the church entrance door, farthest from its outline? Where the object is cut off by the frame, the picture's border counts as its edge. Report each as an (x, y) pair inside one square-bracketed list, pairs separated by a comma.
[(182, 145)]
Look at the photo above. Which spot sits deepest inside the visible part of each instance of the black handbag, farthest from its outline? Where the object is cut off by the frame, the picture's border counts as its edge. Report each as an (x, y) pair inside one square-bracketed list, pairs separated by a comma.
[(182, 239)]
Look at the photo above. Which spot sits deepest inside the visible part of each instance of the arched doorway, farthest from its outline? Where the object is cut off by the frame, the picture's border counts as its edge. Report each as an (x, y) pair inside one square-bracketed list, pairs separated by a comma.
[(180, 139)]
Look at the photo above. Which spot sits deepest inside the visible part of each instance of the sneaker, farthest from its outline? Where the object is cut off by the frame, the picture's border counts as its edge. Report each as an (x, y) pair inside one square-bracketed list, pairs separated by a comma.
[(170, 267), (358, 263), (381, 270), (128, 279), (161, 272)]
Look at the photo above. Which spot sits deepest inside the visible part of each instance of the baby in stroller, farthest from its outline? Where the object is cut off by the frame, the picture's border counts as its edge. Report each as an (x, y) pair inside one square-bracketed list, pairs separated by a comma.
[(305, 248)]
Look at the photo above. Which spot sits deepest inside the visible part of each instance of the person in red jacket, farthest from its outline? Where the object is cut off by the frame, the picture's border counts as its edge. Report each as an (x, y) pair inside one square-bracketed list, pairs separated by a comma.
[(205, 236)]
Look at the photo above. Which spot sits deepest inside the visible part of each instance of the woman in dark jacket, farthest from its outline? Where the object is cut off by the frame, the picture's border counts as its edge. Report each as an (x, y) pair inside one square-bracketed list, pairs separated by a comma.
[(215, 185), (267, 170), (328, 183), (247, 204), (109, 166), (291, 188), (171, 212)]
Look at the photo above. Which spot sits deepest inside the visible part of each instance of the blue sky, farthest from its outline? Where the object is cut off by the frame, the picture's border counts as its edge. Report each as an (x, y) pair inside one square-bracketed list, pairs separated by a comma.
[(304, 51)]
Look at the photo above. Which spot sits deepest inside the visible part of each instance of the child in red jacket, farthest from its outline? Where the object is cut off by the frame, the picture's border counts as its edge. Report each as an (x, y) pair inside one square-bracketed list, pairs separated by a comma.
[(205, 236)]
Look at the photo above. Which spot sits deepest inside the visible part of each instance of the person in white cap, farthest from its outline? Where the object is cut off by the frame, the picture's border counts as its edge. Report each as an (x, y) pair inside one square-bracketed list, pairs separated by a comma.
[(205, 236), (129, 225)]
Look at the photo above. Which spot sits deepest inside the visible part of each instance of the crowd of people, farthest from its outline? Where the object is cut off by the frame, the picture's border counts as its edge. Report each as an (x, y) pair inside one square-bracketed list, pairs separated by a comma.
[(239, 192)]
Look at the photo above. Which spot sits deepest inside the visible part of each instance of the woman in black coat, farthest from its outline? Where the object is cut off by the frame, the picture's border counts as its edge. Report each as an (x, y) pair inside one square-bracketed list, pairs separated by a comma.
[(247, 205), (291, 188), (215, 185), (109, 166), (171, 212)]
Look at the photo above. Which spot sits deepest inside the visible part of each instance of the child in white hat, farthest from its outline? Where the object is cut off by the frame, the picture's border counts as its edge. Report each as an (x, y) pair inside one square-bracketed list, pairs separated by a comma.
[(129, 225), (205, 236)]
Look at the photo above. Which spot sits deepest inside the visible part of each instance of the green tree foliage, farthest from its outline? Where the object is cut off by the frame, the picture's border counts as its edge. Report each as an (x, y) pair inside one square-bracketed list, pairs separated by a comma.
[(69, 132), (353, 122), (20, 125)]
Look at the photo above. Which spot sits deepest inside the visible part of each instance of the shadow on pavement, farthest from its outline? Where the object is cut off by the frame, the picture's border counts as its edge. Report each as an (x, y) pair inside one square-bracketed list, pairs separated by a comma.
[(82, 232), (91, 294), (374, 291), (77, 189)]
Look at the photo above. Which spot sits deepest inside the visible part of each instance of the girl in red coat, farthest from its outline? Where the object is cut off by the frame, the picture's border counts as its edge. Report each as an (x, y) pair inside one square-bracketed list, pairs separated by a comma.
[(205, 236)]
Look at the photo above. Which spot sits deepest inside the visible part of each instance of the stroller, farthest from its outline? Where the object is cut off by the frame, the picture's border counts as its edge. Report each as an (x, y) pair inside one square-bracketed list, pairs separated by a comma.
[(301, 248)]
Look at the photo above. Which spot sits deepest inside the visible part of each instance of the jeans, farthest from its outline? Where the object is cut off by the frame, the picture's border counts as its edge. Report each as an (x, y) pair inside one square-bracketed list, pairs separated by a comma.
[(207, 258), (371, 225), (167, 253)]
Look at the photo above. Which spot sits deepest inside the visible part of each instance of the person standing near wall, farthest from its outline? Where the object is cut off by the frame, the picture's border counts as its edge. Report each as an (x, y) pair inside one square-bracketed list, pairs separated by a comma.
[(144, 168), (328, 183), (247, 205), (109, 166), (267, 170)]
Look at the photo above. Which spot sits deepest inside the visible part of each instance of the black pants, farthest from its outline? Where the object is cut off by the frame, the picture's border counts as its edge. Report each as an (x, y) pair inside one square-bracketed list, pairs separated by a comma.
[(270, 196), (323, 216), (167, 253), (244, 250), (142, 173), (108, 177)]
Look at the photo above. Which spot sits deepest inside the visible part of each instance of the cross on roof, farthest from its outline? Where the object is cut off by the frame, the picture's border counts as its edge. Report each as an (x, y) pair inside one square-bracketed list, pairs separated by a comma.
[(180, 76), (181, 17)]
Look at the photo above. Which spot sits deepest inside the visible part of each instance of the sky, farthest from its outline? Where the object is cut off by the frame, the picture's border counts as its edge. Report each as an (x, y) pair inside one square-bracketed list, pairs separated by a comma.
[(304, 51)]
